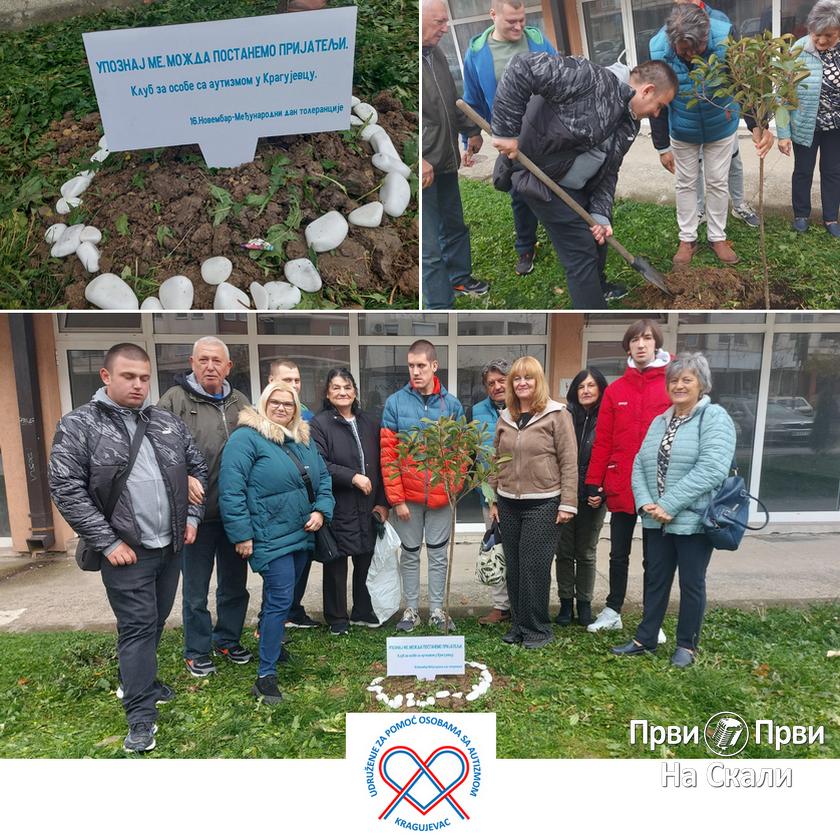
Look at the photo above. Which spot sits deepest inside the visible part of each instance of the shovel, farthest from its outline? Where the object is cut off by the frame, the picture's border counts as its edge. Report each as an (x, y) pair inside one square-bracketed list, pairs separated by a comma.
[(639, 263)]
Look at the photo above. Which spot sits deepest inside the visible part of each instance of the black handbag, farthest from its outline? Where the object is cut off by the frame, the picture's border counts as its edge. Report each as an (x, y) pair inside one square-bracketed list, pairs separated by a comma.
[(326, 546), (88, 559)]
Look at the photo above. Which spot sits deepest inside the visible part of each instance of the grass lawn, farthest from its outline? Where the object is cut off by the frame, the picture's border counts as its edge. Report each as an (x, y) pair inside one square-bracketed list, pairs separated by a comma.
[(809, 264), (571, 699)]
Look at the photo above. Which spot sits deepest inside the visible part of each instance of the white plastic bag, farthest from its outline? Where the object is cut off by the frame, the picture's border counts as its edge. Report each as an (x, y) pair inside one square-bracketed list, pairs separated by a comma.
[(383, 580)]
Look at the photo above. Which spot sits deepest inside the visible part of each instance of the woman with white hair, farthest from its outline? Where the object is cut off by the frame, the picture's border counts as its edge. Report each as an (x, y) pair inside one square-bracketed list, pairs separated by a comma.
[(815, 124), (685, 456), (267, 513)]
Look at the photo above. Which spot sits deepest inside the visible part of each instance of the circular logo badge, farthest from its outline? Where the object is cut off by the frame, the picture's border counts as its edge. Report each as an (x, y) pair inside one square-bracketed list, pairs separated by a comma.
[(726, 734)]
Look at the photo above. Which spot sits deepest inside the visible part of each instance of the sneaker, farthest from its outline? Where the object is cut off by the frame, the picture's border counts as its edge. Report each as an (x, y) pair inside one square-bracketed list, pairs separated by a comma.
[(613, 291), (608, 619), (266, 689), (684, 254), (305, 623), (437, 620), (747, 215), (800, 224), (495, 616), (141, 737), (201, 666), (723, 251), (370, 622), (470, 286), (526, 263), (165, 693), (342, 628), (235, 653), (285, 657), (409, 622), (662, 638)]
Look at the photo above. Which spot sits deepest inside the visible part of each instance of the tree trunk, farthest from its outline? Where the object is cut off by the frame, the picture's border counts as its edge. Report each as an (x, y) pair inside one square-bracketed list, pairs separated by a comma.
[(449, 566), (762, 245)]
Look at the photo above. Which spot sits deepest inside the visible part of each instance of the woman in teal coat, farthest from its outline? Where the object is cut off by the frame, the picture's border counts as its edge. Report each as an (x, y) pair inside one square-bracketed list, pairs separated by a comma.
[(685, 456), (267, 513)]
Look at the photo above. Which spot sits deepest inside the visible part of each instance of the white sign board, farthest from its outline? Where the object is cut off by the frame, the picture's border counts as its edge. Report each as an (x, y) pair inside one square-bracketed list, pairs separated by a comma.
[(425, 656), (224, 84)]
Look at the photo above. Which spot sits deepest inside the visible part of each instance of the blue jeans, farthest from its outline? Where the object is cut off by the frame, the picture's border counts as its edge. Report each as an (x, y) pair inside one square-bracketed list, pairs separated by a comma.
[(446, 242), (278, 587), (231, 591)]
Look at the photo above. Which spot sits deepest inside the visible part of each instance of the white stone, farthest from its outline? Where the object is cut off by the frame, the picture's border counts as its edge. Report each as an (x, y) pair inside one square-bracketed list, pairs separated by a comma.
[(388, 163), (398, 698), (478, 665), (421, 704), (303, 274), (229, 296), (430, 701), (91, 234), (67, 243), (100, 157), (442, 694), (88, 255), (216, 270), (369, 131), (368, 215), (108, 291), (376, 680), (395, 194), (54, 232), (410, 703), (486, 676), (151, 303), (374, 688), (176, 292), (366, 113), (458, 694), (259, 295), (354, 120), (76, 186), (282, 295), (410, 695), (482, 688), (354, 101), (103, 142), (382, 144), (327, 231), (62, 207), (382, 698), (472, 696)]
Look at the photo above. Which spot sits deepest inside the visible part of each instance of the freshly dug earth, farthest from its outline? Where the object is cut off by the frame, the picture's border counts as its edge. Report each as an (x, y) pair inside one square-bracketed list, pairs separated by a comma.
[(423, 688), (156, 212), (712, 288)]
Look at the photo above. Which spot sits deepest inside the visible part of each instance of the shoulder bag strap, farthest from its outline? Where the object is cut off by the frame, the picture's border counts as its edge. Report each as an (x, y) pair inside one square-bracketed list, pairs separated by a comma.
[(304, 473), (119, 485)]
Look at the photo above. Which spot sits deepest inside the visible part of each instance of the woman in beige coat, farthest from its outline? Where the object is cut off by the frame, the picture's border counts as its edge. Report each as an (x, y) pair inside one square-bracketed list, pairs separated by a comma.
[(536, 491)]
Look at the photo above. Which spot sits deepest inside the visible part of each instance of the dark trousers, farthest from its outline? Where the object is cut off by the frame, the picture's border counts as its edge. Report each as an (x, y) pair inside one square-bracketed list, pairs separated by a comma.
[(524, 224), (335, 591), (804, 162), (141, 596), (212, 543), (576, 549), (296, 611), (580, 255), (446, 241), (529, 537), (621, 541), (690, 553)]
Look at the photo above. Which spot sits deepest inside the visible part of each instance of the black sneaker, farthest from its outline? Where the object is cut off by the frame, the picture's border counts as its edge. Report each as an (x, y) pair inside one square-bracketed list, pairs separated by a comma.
[(266, 688), (470, 286), (526, 263), (614, 292), (235, 653), (305, 623), (141, 737), (285, 657), (201, 666), (341, 628)]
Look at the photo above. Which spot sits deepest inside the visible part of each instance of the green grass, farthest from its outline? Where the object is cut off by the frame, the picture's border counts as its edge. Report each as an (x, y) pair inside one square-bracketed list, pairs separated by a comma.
[(809, 263), (571, 699), (45, 75)]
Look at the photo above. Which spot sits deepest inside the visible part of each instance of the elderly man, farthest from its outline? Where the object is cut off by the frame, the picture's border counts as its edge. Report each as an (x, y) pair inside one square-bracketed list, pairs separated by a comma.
[(149, 521), (578, 126), (209, 406), (485, 60), (447, 262)]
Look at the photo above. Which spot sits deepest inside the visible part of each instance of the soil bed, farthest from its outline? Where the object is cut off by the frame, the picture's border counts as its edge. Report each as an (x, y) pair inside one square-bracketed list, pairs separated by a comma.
[(422, 689), (162, 213)]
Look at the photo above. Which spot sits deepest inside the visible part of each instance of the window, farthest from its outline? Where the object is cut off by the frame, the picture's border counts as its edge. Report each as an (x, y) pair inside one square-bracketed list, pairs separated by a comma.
[(419, 325), (201, 323), (384, 370), (174, 359), (294, 324)]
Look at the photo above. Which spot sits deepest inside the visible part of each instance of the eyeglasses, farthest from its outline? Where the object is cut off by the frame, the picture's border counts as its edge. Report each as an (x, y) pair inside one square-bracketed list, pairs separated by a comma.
[(286, 406)]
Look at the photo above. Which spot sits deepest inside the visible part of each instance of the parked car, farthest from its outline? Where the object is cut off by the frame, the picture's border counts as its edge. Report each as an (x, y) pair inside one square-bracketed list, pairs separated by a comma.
[(797, 403), (784, 426)]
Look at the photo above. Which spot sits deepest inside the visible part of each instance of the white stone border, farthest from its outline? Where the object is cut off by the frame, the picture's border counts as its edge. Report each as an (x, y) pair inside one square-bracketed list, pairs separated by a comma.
[(396, 702)]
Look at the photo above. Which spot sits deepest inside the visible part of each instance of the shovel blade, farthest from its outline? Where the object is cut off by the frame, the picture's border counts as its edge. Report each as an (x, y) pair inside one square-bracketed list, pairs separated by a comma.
[(651, 274)]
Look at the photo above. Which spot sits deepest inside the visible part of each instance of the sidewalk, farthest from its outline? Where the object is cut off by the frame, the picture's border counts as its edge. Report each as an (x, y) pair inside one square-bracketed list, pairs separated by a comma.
[(782, 566), (643, 178)]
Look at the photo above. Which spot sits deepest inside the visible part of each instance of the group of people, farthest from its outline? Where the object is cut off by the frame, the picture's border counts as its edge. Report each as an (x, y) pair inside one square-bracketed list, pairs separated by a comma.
[(576, 121)]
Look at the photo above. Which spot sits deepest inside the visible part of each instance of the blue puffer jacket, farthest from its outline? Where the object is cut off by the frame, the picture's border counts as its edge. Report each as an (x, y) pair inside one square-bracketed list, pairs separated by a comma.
[(803, 121), (697, 467), (487, 413), (479, 74), (261, 493), (703, 123)]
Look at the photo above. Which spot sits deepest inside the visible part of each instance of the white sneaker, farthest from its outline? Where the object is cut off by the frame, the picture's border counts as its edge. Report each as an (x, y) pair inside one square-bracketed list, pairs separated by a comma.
[(608, 619), (409, 622), (438, 620), (662, 638)]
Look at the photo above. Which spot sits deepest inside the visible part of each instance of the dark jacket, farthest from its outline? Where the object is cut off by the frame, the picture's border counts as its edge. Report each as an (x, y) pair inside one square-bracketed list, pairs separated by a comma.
[(211, 423), (560, 107), (585, 422), (90, 449), (352, 520), (441, 118), (262, 496)]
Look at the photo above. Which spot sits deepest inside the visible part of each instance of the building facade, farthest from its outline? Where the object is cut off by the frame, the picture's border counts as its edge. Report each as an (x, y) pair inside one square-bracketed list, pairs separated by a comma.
[(778, 374)]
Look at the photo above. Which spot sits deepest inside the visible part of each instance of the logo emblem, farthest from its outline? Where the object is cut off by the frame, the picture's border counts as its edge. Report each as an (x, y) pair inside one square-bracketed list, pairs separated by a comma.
[(726, 734)]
